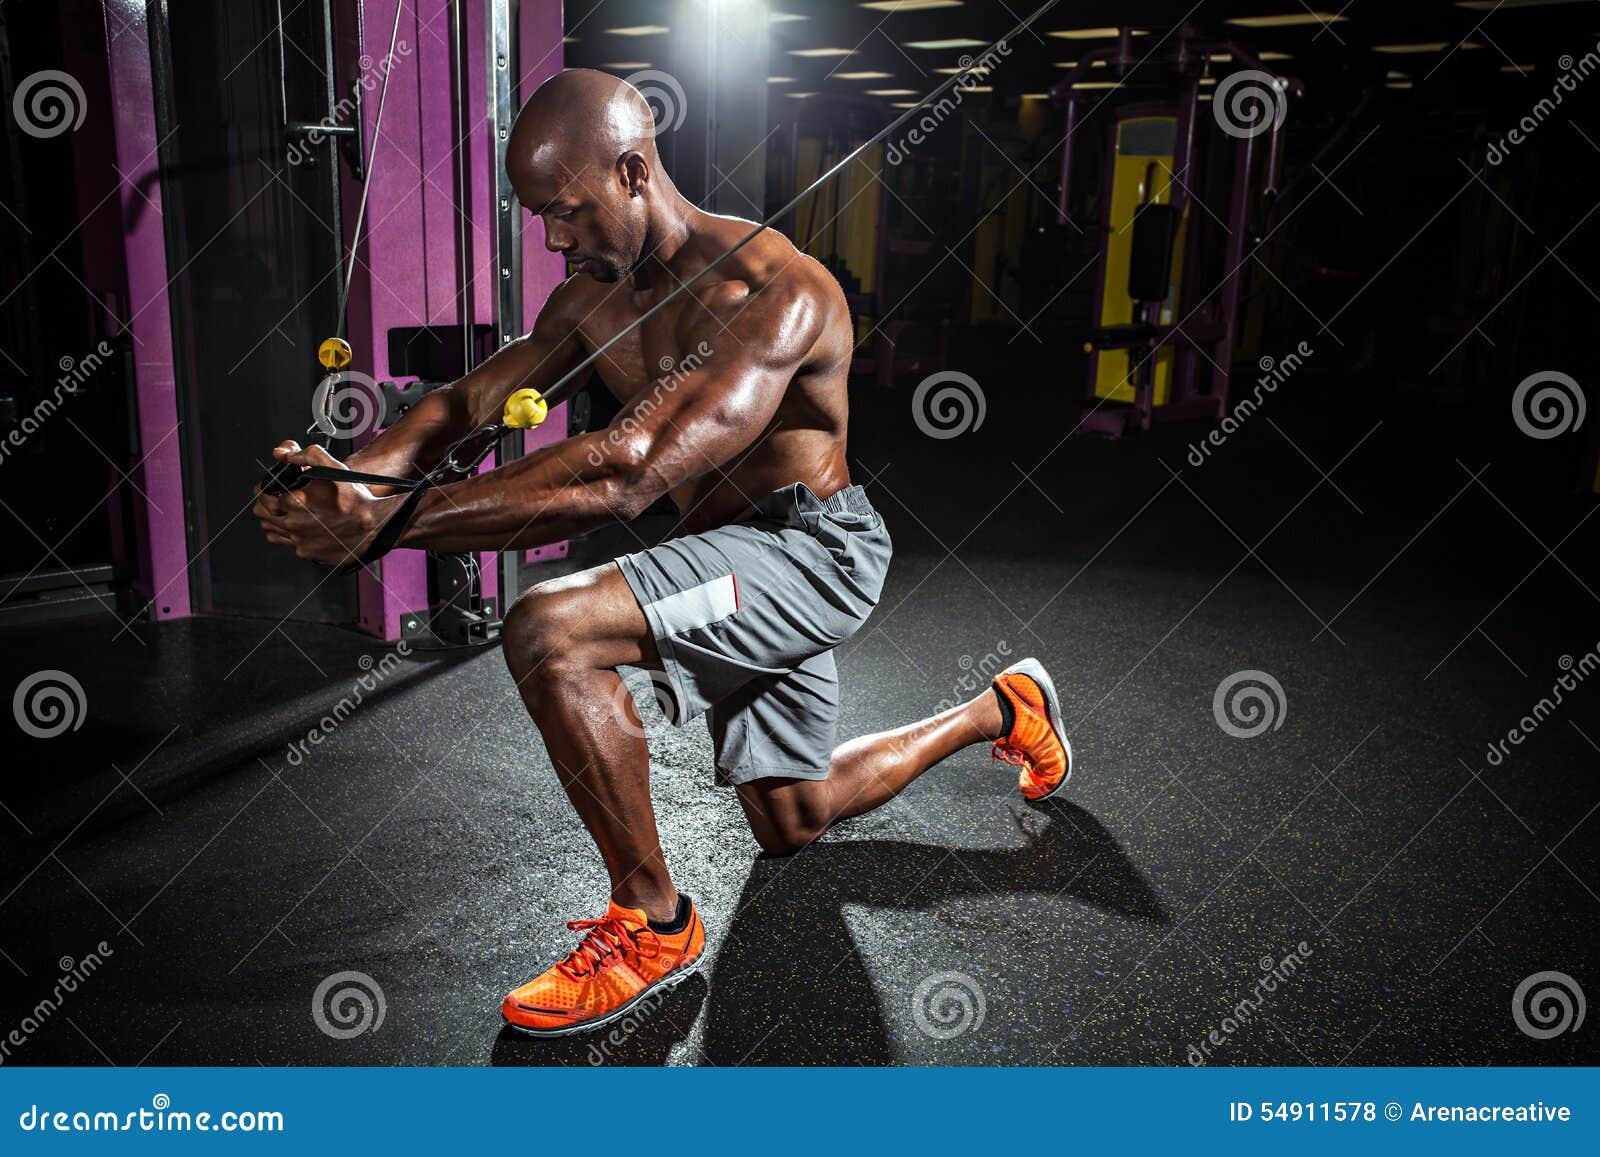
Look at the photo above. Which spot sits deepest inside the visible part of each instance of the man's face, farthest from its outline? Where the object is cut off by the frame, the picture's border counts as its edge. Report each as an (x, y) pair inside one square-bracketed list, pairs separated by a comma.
[(590, 220)]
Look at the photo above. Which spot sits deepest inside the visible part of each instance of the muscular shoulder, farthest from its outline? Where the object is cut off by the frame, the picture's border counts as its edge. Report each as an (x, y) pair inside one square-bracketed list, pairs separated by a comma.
[(772, 290)]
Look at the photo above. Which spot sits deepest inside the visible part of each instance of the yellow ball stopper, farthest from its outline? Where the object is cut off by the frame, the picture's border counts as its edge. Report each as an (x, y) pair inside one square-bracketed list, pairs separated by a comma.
[(525, 409), (334, 354)]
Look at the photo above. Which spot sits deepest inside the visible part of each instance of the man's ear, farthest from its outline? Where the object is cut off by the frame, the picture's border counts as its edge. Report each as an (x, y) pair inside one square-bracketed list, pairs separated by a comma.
[(634, 172)]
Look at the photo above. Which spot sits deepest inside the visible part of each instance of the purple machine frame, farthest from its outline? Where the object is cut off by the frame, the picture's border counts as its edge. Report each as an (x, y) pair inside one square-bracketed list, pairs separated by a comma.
[(1205, 325), (125, 254), (408, 269)]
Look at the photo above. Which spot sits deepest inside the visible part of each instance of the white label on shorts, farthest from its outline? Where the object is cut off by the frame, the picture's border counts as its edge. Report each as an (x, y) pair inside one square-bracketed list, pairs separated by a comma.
[(698, 606)]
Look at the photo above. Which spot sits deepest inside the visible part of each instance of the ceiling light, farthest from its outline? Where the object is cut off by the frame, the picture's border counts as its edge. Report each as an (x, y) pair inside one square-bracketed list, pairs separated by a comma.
[(909, 5), (781, 79), (1092, 84), (821, 51), (1411, 49), (891, 92), (1274, 56), (862, 75), (1092, 33), (799, 95), (1399, 85), (1287, 20), (627, 65), (1519, 69), (785, 17), (951, 42), (638, 30)]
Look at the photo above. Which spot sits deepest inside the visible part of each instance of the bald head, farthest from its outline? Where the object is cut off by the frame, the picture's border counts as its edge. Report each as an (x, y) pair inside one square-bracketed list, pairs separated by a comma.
[(582, 118), (582, 154)]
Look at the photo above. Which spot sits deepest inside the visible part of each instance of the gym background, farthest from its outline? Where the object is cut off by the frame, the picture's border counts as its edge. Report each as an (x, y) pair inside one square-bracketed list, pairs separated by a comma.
[(1260, 405)]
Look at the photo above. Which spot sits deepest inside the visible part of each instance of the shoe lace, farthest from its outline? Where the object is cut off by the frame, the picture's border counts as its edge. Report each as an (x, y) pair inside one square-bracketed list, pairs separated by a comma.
[(1002, 750), (608, 937)]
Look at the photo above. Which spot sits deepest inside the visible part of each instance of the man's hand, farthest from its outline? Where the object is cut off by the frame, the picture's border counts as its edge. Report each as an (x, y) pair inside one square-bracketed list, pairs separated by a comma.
[(326, 522)]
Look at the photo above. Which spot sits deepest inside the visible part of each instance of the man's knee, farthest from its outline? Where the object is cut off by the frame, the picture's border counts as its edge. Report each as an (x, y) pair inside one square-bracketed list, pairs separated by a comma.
[(539, 634), (783, 826)]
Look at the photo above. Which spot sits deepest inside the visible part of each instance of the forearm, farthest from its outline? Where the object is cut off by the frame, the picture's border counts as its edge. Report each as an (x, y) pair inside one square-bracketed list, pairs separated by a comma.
[(418, 441), (424, 434), (560, 492)]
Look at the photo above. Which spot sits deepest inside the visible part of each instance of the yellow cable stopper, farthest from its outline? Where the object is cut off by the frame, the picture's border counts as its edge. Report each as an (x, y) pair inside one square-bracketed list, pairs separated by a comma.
[(525, 409), (334, 354)]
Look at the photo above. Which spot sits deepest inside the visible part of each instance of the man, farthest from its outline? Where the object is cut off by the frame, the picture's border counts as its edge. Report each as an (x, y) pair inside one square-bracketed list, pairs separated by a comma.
[(735, 404)]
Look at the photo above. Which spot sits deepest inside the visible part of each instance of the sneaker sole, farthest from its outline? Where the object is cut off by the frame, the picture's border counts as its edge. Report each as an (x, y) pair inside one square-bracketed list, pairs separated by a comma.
[(666, 984), (1034, 670)]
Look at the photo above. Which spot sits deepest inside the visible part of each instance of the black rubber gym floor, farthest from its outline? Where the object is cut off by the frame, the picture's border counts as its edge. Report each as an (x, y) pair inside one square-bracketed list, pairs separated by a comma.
[(1410, 587)]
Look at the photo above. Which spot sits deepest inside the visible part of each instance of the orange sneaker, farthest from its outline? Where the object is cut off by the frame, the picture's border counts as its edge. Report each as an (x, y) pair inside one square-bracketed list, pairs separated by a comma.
[(1037, 741), (614, 969)]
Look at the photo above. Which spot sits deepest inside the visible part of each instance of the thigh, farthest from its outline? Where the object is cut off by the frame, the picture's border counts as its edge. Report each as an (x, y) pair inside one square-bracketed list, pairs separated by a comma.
[(593, 613)]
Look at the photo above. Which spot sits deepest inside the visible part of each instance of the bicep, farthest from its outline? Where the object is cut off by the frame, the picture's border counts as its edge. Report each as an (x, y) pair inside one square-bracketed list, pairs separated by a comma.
[(536, 361)]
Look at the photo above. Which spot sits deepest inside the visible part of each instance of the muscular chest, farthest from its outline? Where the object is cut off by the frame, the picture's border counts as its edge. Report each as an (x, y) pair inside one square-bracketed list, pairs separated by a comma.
[(641, 356)]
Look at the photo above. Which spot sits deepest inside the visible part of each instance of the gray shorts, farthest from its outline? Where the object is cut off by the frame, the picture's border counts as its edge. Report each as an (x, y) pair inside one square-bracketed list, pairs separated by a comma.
[(746, 617)]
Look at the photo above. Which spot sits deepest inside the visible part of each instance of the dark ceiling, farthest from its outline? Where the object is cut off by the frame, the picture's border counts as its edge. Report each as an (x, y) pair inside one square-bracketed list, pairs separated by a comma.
[(1486, 44)]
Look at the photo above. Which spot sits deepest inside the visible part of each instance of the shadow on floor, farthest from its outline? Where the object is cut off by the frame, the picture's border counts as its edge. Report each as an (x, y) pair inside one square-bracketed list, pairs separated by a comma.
[(790, 986)]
